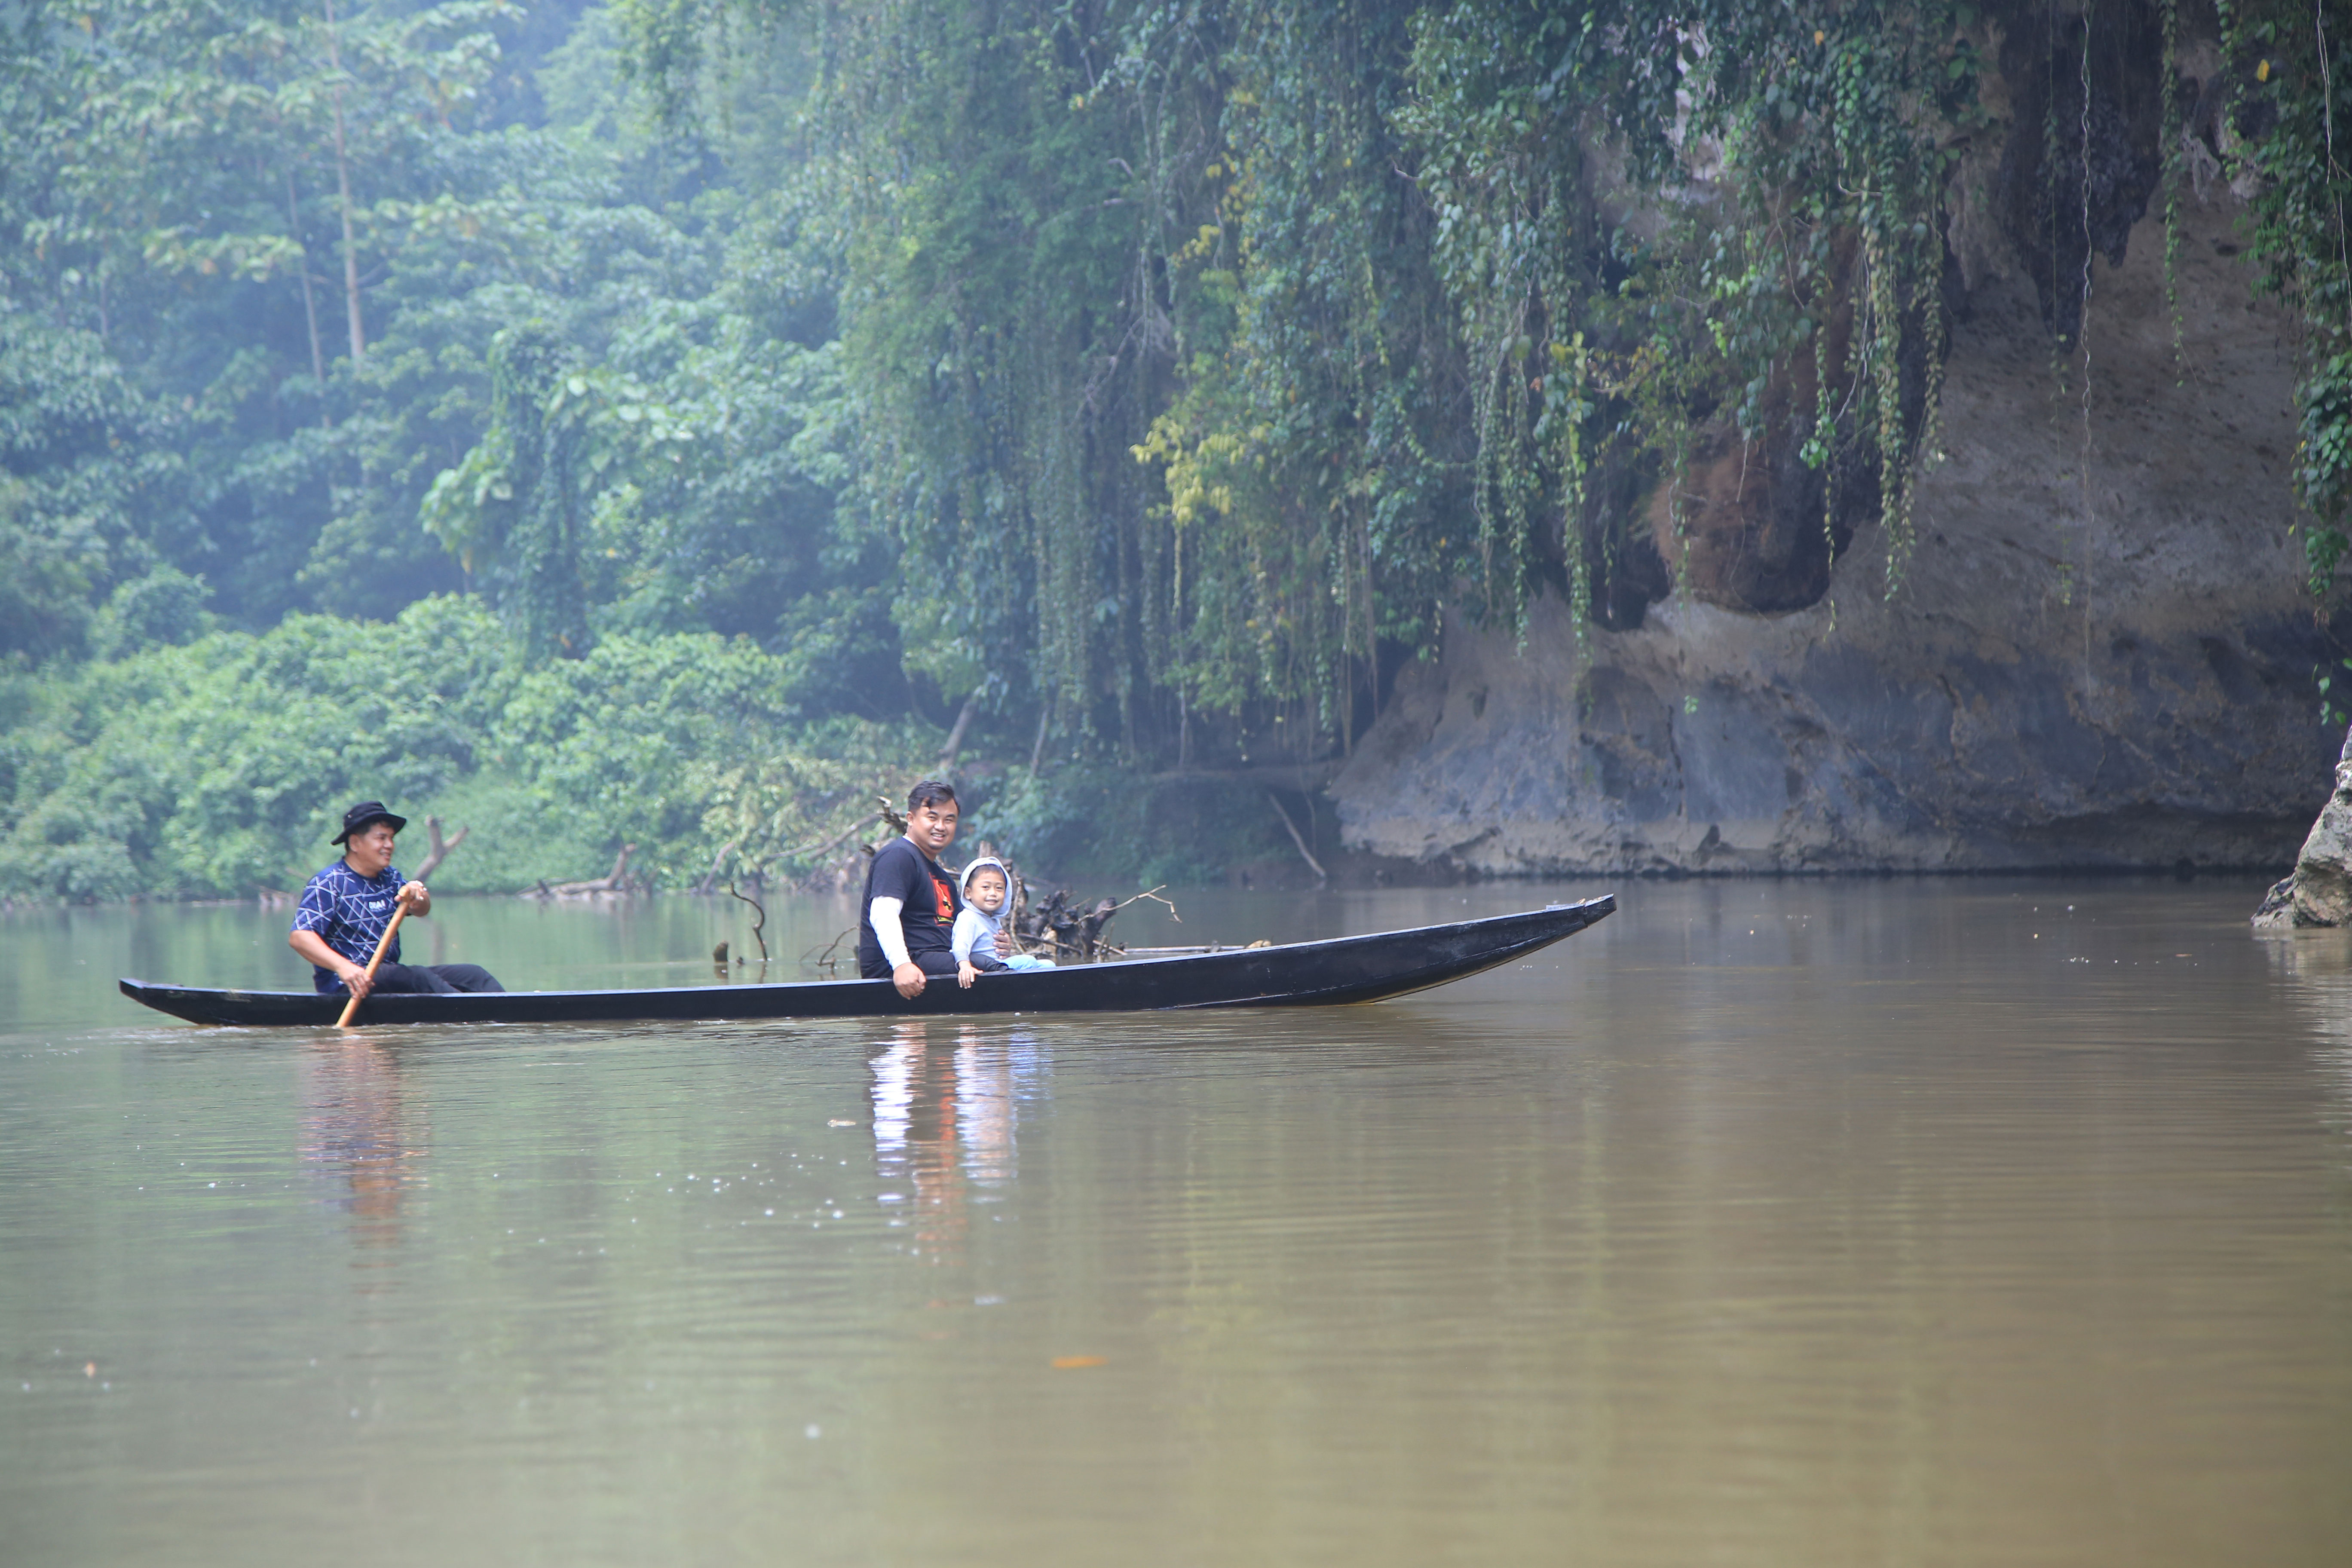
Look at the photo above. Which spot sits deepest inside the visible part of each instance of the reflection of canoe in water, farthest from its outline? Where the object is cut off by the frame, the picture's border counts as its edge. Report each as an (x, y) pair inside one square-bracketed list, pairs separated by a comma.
[(1303, 973)]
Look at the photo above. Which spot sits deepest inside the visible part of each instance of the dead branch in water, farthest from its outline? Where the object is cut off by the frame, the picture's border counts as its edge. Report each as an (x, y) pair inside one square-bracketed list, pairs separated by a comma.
[(760, 926), (613, 881), (1153, 894), (1074, 930), (437, 849), (823, 957)]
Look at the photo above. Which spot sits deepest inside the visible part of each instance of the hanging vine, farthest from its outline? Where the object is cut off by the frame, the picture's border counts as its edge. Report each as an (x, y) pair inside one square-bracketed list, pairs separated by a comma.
[(2174, 160), (2283, 125), (1210, 349)]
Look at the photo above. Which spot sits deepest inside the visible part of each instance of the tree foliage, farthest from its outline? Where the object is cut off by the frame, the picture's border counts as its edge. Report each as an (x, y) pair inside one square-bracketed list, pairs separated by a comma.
[(2289, 114), (1395, 307), (1154, 376), (217, 767)]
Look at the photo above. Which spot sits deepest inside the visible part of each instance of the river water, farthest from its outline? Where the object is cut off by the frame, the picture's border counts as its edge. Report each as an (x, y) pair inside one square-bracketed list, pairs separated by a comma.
[(1804, 1223)]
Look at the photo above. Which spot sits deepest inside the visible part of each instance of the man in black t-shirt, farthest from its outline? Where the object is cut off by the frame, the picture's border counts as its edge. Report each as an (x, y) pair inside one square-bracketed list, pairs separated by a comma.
[(910, 904)]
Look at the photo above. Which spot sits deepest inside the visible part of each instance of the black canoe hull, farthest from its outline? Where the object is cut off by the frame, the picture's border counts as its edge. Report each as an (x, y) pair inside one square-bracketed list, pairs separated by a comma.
[(1305, 974)]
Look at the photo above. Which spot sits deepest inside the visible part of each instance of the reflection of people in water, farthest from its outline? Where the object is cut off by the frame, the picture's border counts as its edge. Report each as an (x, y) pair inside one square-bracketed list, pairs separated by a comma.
[(359, 1126), (944, 1122)]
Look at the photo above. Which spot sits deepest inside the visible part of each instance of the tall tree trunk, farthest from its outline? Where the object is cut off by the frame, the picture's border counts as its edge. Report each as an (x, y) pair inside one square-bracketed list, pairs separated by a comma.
[(955, 736), (343, 184), (310, 305)]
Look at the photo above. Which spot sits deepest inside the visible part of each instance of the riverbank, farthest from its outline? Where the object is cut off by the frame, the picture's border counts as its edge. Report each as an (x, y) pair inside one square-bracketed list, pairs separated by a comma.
[(2100, 655)]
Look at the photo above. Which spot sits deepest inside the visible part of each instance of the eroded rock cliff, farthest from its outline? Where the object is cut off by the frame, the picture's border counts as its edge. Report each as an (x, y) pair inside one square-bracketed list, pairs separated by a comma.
[(2100, 654)]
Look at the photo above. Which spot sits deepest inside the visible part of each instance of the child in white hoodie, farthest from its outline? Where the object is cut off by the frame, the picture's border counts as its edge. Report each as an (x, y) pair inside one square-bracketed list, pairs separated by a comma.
[(973, 940)]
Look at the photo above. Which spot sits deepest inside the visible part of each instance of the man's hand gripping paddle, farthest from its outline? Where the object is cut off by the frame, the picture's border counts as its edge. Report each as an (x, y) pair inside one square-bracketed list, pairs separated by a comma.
[(382, 947)]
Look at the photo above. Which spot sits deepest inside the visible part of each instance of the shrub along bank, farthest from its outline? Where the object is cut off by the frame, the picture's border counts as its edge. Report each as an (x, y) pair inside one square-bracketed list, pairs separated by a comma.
[(217, 768)]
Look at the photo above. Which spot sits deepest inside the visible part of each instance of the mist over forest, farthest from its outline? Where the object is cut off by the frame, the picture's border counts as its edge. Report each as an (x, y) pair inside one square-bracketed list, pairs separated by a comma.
[(675, 422)]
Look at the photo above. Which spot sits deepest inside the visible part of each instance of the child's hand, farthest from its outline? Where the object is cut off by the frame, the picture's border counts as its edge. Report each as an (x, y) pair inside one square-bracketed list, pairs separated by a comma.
[(966, 975)]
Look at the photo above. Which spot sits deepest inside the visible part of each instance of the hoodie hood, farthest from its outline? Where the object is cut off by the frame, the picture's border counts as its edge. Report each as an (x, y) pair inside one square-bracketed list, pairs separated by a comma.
[(963, 883)]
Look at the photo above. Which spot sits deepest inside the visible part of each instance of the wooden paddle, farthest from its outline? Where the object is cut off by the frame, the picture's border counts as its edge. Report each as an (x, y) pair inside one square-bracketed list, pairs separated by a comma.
[(383, 946)]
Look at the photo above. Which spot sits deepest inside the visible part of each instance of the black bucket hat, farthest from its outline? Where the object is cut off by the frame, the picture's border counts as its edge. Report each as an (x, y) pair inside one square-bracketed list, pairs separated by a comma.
[(357, 819)]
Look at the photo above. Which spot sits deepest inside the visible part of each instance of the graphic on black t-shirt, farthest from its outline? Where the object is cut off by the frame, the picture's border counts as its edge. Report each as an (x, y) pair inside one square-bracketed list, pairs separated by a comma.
[(901, 871)]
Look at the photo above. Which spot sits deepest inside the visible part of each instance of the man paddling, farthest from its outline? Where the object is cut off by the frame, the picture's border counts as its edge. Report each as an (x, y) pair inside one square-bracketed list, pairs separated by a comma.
[(909, 904), (346, 907)]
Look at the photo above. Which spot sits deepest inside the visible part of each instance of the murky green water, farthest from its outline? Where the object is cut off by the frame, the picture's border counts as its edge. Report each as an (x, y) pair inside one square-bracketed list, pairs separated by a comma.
[(1805, 1222)]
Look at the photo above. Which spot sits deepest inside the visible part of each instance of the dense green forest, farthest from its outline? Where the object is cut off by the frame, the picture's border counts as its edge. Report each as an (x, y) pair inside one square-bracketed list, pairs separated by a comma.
[(665, 422)]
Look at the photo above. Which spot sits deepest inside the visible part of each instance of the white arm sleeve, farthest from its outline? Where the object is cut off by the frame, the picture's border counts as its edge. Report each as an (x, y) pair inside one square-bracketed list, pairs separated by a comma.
[(882, 914)]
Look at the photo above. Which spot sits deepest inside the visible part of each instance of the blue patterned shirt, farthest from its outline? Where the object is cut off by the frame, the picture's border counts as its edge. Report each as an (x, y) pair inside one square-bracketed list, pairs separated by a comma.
[(349, 911)]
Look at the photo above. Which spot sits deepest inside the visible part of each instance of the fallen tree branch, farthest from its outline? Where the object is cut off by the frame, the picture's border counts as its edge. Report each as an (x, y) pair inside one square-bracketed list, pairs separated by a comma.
[(1070, 931), (760, 926), (1153, 894), (613, 881), (1298, 838), (844, 836), (438, 849), (823, 957), (711, 878)]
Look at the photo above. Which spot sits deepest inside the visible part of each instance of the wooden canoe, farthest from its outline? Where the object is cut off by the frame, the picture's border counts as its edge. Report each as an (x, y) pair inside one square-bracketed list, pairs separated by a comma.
[(1294, 975)]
